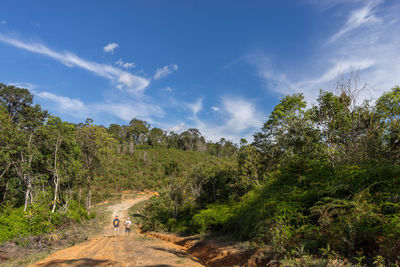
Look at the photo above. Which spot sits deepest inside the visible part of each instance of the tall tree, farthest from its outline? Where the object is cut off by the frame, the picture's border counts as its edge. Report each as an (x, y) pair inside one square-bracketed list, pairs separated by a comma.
[(61, 152), (288, 132), (156, 137), (27, 119), (388, 110), (138, 130), (96, 144), (9, 143)]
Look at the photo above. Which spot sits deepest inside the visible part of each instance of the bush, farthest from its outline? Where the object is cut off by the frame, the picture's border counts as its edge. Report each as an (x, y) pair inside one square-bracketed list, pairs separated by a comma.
[(77, 212), (36, 220), (13, 223), (214, 218)]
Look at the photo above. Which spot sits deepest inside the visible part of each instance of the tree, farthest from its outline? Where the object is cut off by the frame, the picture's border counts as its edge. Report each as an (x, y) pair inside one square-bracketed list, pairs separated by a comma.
[(249, 167), (96, 144), (61, 152), (27, 119), (156, 137), (9, 143), (117, 132), (15, 99), (173, 140), (388, 110), (288, 132), (192, 140), (138, 130), (332, 116)]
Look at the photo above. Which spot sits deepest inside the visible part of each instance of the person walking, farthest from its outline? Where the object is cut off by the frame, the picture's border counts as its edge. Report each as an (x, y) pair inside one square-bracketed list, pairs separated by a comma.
[(116, 226), (128, 225)]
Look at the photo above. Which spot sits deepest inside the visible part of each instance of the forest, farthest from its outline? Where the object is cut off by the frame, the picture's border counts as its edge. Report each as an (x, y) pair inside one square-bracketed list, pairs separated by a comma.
[(318, 181)]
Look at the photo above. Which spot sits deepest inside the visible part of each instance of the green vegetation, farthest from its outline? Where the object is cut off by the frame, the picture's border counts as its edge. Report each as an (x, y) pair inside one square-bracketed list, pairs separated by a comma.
[(318, 184), (51, 171)]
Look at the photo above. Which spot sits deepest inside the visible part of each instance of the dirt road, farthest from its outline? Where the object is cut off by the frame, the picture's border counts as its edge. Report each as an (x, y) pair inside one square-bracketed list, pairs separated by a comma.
[(134, 250)]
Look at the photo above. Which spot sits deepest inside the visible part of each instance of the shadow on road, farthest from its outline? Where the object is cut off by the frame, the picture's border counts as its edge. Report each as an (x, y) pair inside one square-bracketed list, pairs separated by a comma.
[(80, 263)]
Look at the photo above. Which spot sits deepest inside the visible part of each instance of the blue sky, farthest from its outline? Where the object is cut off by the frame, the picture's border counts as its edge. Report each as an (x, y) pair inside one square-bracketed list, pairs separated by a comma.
[(219, 66)]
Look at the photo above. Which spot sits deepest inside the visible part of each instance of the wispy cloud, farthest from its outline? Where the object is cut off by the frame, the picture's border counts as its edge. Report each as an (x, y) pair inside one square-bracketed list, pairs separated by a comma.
[(126, 65), (123, 79), (215, 108), (240, 118), (372, 47), (3, 22), (63, 104), (29, 86), (177, 128), (168, 89), (196, 106), (357, 18), (243, 117), (165, 71), (129, 109), (124, 109), (324, 5), (110, 47)]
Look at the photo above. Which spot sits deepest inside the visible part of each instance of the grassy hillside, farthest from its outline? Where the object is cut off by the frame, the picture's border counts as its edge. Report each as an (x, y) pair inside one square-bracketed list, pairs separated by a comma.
[(151, 168)]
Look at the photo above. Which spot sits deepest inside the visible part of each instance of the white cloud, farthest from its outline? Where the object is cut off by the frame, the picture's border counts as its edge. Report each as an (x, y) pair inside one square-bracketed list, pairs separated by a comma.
[(110, 47), (123, 79), (128, 110), (3, 22), (124, 109), (373, 48), (243, 115), (126, 65), (241, 119), (63, 104), (358, 18), (196, 106), (168, 89), (177, 128), (30, 86), (165, 71), (215, 108), (324, 5)]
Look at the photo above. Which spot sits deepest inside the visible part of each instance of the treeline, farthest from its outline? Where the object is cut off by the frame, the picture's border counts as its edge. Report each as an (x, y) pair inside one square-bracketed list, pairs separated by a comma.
[(318, 184), (140, 134)]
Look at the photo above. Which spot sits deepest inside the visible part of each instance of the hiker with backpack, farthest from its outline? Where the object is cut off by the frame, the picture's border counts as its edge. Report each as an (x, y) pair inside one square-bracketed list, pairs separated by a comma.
[(116, 226), (128, 225)]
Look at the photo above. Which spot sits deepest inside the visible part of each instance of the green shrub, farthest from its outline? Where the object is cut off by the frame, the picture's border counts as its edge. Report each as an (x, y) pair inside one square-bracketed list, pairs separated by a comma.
[(13, 223), (77, 212), (214, 218)]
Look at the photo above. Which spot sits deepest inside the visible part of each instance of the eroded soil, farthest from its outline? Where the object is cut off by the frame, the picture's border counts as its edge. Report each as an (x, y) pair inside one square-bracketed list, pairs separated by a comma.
[(134, 250)]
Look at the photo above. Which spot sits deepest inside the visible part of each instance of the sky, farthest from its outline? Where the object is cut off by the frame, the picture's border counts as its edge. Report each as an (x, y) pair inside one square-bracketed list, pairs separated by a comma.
[(219, 66)]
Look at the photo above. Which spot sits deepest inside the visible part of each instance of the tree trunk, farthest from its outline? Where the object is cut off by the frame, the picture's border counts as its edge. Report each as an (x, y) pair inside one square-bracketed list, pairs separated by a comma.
[(27, 193), (175, 215), (6, 169), (131, 147), (56, 178), (5, 192), (89, 200), (56, 182)]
